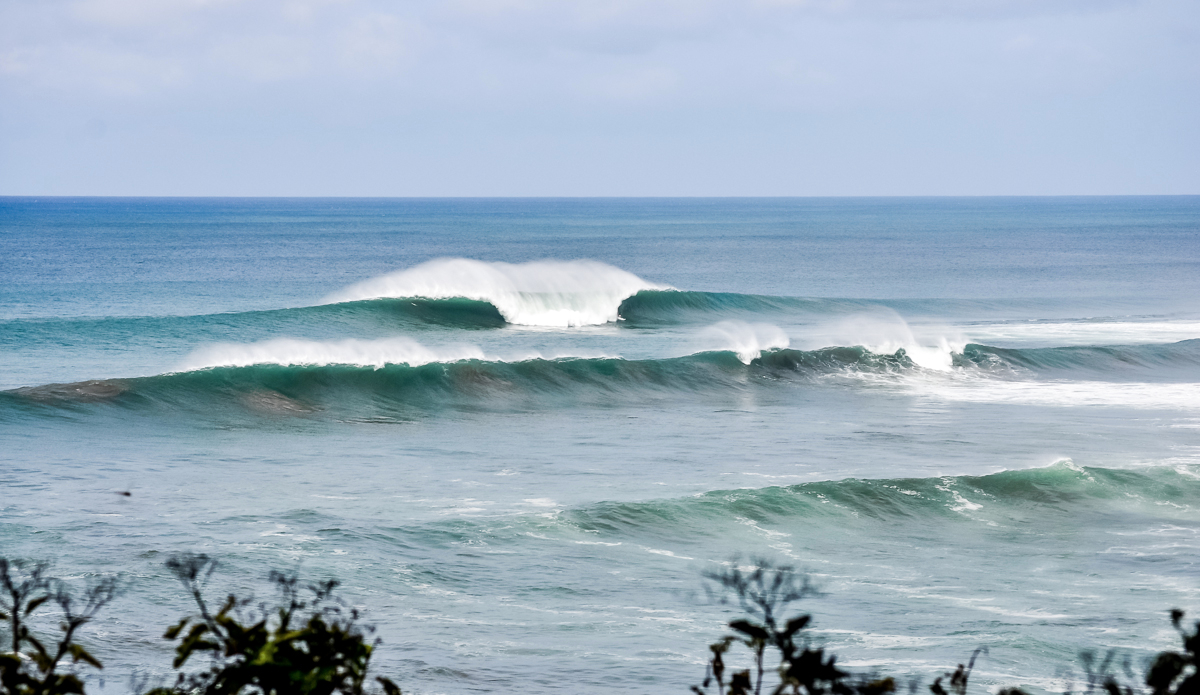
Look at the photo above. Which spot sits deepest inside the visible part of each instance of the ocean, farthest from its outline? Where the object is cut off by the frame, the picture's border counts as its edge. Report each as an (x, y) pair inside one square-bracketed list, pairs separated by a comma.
[(519, 430)]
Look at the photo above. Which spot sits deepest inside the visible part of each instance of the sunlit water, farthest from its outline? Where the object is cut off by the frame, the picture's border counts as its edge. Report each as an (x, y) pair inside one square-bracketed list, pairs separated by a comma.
[(519, 430)]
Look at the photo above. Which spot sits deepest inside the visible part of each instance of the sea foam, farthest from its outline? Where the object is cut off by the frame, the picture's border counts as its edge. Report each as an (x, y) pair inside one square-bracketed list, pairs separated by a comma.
[(748, 340), (539, 293), (359, 353), (883, 332)]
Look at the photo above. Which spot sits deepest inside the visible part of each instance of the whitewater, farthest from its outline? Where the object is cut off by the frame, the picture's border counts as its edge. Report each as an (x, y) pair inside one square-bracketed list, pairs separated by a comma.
[(519, 430)]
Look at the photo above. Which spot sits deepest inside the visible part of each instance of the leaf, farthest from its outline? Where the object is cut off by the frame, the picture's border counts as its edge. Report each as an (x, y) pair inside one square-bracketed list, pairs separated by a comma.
[(1164, 671), (67, 684), (78, 653), (173, 631), (796, 624), (33, 605), (748, 628)]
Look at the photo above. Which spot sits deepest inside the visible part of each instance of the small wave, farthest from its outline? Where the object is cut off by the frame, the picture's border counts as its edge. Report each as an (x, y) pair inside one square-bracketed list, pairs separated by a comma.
[(1061, 489), (538, 293), (1110, 361)]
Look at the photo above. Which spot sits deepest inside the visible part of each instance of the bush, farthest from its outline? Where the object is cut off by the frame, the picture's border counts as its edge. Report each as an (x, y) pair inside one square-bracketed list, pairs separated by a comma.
[(765, 592), (311, 643), (32, 667)]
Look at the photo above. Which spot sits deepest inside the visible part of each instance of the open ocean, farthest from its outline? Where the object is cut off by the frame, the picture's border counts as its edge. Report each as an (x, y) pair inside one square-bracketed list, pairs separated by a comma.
[(518, 430)]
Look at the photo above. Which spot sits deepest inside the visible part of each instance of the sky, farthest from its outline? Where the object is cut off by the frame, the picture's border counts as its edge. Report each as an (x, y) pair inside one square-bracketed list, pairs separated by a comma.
[(599, 97)]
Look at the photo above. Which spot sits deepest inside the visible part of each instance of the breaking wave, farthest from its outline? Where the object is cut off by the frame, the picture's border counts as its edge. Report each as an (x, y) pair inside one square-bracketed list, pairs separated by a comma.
[(538, 293), (402, 374)]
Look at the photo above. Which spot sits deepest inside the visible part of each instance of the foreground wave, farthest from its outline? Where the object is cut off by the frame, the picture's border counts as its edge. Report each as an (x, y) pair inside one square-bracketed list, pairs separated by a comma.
[(1056, 489)]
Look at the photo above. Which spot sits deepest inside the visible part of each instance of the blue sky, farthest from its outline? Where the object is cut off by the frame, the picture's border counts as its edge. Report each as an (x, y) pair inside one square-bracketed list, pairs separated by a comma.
[(609, 97)]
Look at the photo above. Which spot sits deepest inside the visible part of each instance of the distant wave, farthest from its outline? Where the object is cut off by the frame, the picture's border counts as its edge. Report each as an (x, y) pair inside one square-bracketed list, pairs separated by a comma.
[(653, 307), (1109, 361), (538, 293), (646, 308)]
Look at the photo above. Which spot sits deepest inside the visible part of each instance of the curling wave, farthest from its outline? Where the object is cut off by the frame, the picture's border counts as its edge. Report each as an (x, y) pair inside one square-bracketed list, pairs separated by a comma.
[(352, 376), (538, 293), (299, 376)]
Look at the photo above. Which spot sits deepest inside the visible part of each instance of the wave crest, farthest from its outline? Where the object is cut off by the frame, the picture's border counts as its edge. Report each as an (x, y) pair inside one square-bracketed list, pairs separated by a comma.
[(539, 293), (289, 352)]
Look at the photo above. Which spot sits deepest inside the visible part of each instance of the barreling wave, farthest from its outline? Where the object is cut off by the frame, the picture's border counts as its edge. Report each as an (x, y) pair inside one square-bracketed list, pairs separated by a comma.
[(377, 315), (645, 308), (319, 379), (539, 293), (350, 378), (657, 307)]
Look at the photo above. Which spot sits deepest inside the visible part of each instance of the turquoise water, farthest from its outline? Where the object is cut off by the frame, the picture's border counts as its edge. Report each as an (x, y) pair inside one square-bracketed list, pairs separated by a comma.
[(519, 430)]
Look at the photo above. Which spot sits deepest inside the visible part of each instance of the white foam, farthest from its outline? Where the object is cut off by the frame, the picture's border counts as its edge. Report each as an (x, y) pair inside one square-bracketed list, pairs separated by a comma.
[(748, 340), (1173, 396), (1066, 333), (312, 353), (356, 353), (883, 332), (539, 293)]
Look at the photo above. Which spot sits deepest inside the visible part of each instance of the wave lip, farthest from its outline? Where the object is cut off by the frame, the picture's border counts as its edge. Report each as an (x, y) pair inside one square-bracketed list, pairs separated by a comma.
[(550, 293), (288, 352)]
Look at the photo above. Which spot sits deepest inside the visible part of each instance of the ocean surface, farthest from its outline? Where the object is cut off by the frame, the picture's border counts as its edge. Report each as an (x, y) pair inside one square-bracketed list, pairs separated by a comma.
[(519, 430)]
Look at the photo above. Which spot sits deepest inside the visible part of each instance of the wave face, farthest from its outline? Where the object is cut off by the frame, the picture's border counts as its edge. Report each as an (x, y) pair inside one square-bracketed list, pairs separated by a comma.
[(1059, 489), (305, 376), (1180, 359), (539, 293), (399, 373), (657, 306)]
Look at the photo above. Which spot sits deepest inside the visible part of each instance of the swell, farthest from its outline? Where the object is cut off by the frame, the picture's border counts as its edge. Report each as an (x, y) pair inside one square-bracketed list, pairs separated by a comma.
[(1163, 360), (657, 307), (420, 380), (1062, 489), (334, 319), (645, 308), (465, 384)]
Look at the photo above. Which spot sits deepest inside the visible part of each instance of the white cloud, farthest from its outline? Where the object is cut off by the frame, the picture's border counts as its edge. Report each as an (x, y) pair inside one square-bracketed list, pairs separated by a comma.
[(379, 43), (924, 86), (265, 58), (145, 14)]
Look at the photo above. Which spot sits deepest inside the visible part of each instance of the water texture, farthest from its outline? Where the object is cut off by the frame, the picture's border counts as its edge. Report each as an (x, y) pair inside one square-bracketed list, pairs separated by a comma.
[(519, 430)]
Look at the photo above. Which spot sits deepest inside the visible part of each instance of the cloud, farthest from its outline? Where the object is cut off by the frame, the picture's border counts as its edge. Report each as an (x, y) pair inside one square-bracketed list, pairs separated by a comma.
[(731, 90)]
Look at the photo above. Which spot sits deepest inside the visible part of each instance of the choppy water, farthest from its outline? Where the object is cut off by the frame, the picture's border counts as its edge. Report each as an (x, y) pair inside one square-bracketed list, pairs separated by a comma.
[(518, 430)]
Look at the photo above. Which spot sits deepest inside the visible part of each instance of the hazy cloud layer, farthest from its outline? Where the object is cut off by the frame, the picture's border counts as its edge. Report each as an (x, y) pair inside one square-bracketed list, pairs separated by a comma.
[(624, 97)]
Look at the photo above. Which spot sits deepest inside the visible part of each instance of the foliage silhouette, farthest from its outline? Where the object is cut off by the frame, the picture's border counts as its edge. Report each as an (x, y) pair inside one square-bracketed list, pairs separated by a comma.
[(764, 592), (311, 643), (32, 667)]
